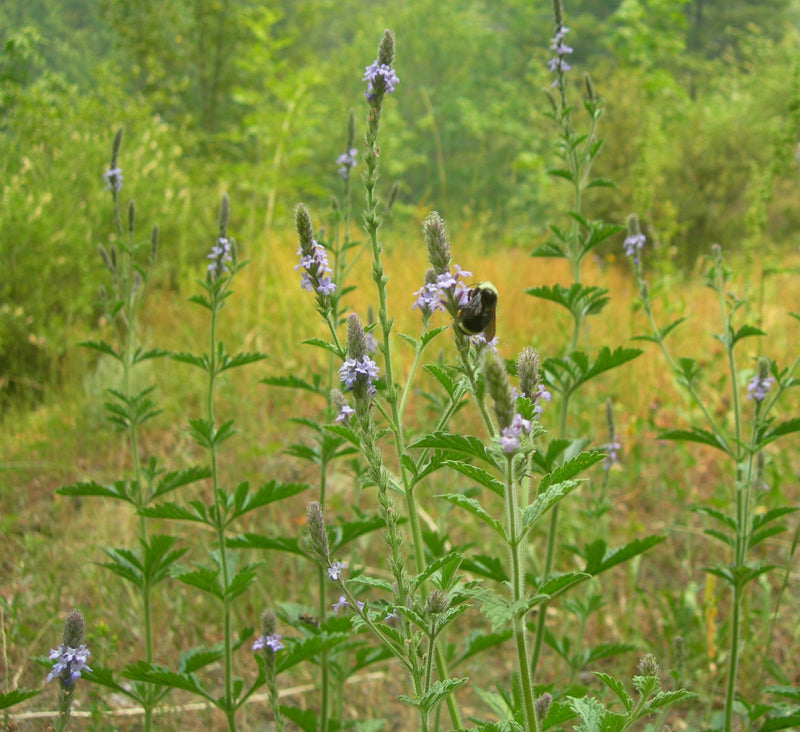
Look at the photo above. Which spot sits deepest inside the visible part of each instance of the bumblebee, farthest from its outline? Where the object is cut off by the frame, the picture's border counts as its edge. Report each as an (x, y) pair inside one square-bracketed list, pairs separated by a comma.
[(478, 310)]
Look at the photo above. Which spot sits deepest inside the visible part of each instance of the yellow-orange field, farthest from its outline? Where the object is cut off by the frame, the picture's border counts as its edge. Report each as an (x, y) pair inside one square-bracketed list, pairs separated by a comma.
[(50, 545)]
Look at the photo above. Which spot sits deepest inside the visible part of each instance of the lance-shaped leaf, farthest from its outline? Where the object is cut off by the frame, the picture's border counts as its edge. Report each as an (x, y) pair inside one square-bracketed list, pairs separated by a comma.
[(177, 479), (580, 300), (600, 558), (696, 434), (15, 697), (472, 506), (120, 490), (438, 691), (458, 445), (478, 475), (545, 501)]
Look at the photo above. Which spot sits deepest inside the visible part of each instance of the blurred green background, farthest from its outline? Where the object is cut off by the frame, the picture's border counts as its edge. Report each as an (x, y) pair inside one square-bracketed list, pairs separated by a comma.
[(701, 130)]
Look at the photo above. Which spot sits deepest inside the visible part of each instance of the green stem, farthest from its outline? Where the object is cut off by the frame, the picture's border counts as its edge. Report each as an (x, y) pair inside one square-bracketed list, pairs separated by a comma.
[(513, 531)]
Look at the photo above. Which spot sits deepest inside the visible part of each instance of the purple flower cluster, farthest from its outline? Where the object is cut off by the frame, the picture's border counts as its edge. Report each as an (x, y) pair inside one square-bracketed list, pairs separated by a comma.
[(558, 63), (543, 394), (345, 412), (633, 245), (431, 296), (384, 73), (758, 387), (612, 448), (113, 179), (335, 570), (355, 370), (346, 160), (342, 603), (271, 642), (510, 436), (315, 270), (69, 662), (220, 257)]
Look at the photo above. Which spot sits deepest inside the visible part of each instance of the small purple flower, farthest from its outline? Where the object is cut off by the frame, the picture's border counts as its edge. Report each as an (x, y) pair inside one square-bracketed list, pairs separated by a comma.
[(379, 75), (510, 436), (431, 296), (345, 413), (113, 179), (271, 642), (479, 339), (558, 63), (69, 662), (342, 603), (346, 160), (633, 245), (220, 257), (335, 570), (758, 387), (541, 393), (612, 458), (363, 370), (316, 272)]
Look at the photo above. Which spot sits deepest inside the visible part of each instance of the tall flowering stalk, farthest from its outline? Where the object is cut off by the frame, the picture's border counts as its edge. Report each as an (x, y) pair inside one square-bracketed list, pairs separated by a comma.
[(743, 527), (69, 662), (129, 263), (565, 375)]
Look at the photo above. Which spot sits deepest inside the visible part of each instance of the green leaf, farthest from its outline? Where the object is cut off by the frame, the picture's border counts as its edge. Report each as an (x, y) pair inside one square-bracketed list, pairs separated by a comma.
[(176, 512), (245, 501), (445, 376), (600, 183), (485, 566), (609, 650), (545, 501), (783, 428), (162, 676), (293, 382), (725, 520), (437, 691), (580, 300), (617, 687), (560, 583), (572, 467), (459, 444), (288, 544), (101, 347), (178, 479), (662, 332), (342, 533), (695, 434), (15, 697), (117, 490), (600, 559), (479, 641), (590, 711), (240, 359), (746, 331), (241, 580), (304, 649), (324, 345), (472, 506), (141, 355), (305, 719), (478, 475), (200, 362), (202, 578), (344, 431)]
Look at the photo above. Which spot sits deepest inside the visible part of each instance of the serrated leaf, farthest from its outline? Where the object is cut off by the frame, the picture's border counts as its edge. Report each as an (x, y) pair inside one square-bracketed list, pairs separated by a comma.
[(200, 362), (343, 431), (783, 428), (101, 347), (459, 444), (479, 641), (599, 558), (288, 544), (444, 376), (609, 650), (202, 578), (545, 501), (550, 249), (485, 566), (478, 475), (438, 690), (264, 495), (117, 490), (177, 479), (292, 382), (472, 506), (240, 359), (15, 697), (162, 676), (324, 345), (304, 649), (141, 355), (600, 183), (695, 434), (560, 583), (746, 331), (176, 512), (305, 719), (617, 687)]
